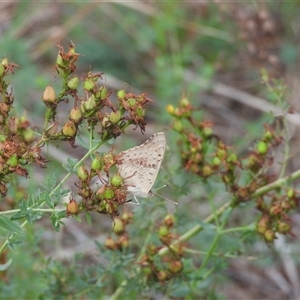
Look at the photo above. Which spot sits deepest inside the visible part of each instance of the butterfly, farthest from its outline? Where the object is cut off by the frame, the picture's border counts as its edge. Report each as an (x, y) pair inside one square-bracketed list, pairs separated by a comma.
[(139, 166)]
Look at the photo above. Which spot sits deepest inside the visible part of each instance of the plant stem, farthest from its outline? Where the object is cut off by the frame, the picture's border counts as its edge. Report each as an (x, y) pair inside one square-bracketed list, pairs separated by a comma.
[(250, 227), (197, 228), (4, 245), (276, 184), (184, 237), (7, 212)]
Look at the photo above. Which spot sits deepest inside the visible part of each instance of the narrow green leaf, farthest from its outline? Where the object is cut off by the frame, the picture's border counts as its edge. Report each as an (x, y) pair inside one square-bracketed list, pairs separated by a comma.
[(23, 206), (62, 214), (48, 200), (6, 223), (17, 216), (12, 243), (56, 223), (226, 214), (70, 164), (88, 218), (77, 218), (30, 201), (29, 218)]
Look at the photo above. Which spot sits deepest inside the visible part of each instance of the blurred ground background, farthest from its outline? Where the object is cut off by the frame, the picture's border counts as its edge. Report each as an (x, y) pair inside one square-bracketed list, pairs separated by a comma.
[(210, 51)]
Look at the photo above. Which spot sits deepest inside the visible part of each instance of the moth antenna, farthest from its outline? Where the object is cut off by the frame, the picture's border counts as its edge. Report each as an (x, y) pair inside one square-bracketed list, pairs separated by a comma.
[(136, 201), (165, 198), (161, 187)]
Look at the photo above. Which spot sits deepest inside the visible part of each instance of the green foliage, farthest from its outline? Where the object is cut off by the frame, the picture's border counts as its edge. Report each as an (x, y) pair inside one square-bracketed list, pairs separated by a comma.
[(229, 193)]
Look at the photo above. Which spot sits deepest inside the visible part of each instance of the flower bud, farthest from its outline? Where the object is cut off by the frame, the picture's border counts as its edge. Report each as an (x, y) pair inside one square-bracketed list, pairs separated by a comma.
[(263, 224), (268, 135), (131, 102), (177, 249), (163, 231), (114, 117), (100, 193), (175, 266), (109, 158), (124, 241), (69, 129), (162, 275), (253, 162), (207, 170), (207, 131), (216, 161), (116, 180), (177, 112), (2, 70), (269, 235), (103, 93), (28, 136), (170, 109), (109, 193), (82, 173), (97, 163), (110, 244), (49, 95), (169, 220), (140, 112), (4, 61), (140, 99), (89, 84), (111, 208), (4, 108), (184, 102), (126, 217), (60, 61), (262, 147), (105, 121), (121, 94), (85, 192), (283, 227), (72, 207), (12, 161), (232, 158), (90, 104), (291, 193), (118, 226), (178, 126), (73, 83), (221, 154), (75, 114)]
